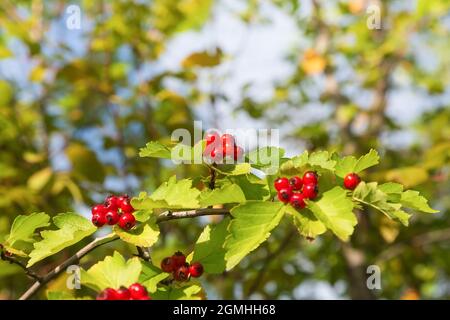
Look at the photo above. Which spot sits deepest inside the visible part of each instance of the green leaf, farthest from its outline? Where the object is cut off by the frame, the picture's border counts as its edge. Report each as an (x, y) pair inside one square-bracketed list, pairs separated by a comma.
[(412, 199), (23, 228), (155, 149), (151, 276), (307, 224), (253, 187), (72, 228), (177, 194), (63, 295), (351, 164), (335, 210), (233, 169), (369, 194), (322, 160), (266, 159), (230, 193), (189, 292), (145, 235), (112, 272), (251, 226), (209, 247)]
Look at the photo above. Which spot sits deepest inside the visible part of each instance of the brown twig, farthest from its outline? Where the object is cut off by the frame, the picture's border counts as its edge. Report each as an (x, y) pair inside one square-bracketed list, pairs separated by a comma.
[(13, 260), (165, 216)]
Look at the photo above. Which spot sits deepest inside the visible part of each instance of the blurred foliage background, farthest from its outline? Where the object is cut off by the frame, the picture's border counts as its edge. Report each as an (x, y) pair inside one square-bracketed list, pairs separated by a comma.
[(77, 104)]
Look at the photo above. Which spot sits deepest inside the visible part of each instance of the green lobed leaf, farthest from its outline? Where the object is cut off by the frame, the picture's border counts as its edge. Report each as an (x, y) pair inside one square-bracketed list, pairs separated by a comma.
[(252, 187), (177, 194), (155, 149), (251, 225), (151, 276), (209, 247), (317, 160), (23, 228), (412, 199), (335, 210), (307, 224), (266, 159), (188, 292), (230, 193), (233, 169), (144, 235), (113, 272), (72, 228), (369, 194), (351, 164)]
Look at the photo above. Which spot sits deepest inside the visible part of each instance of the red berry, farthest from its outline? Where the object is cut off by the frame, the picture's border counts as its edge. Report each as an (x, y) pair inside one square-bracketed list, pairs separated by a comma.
[(228, 149), (127, 221), (98, 209), (137, 291), (310, 190), (238, 152), (284, 195), (310, 177), (298, 200), (196, 269), (228, 139), (167, 265), (123, 294), (351, 180), (296, 183), (179, 259), (99, 220), (111, 203), (181, 274), (211, 137), (112, 217), (281, 183), (125, 205), (107, 294)]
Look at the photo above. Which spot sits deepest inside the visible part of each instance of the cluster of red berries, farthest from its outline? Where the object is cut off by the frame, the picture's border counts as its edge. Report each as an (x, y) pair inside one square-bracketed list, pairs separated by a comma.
[(115, 210), (180, 269), (219, 147), (134, 292), (295, 190), (351, 181)]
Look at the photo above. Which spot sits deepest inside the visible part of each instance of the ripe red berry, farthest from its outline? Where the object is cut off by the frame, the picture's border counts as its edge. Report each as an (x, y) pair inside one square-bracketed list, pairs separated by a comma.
[(179, 259), (107, 294), (125, 205), (127, 221), (137, 291), (181, 274), (98, 209), (99, 219), (238, 152), (111, 203), (298, 200), (351, 180), (228, 149), (309, 177), (167, 265), (196, 269), (123, 294), (112, 217), (228, 139), (284, 195), (296, 183), (210, 137), (310, 190), (281, 183)]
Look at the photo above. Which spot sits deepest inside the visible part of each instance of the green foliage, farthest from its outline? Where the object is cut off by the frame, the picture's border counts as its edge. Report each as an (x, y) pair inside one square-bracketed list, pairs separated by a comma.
[(23, 230), (230, 193), (251, 225), (144, 235), (209, 249), (188, 292), (351, 164), (113, 272), (151, 276), (71, 229)]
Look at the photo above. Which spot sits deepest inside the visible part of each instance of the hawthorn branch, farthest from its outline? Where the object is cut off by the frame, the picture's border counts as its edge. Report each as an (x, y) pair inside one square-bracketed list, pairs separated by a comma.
[(13, 260), (165, 216)]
